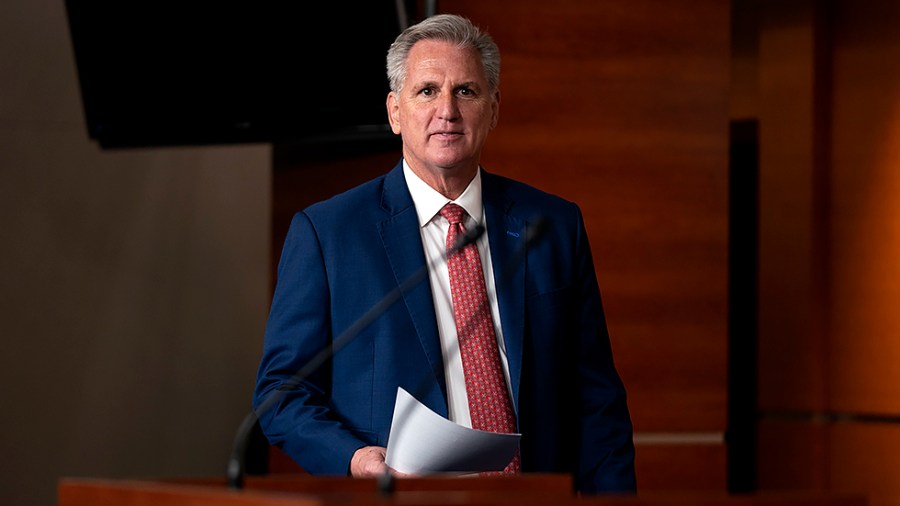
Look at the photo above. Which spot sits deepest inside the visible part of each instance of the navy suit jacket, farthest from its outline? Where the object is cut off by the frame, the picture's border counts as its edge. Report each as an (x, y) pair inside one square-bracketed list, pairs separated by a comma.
[(343, 255)]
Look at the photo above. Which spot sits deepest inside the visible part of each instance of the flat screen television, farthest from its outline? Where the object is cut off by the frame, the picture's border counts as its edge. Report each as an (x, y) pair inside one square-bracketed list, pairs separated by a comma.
[(167, 73)]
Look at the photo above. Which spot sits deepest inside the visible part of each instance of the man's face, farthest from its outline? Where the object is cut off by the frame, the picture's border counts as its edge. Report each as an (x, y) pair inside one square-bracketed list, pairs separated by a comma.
[(444, 110)]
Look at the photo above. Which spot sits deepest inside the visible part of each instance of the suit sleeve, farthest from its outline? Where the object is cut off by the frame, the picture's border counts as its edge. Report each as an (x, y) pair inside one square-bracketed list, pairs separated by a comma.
[(606, 453), (294, 412)]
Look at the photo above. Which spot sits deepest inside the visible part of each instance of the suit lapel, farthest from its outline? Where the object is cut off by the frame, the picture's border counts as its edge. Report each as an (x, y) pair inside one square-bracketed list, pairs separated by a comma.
[(506, 234), (403, 245)]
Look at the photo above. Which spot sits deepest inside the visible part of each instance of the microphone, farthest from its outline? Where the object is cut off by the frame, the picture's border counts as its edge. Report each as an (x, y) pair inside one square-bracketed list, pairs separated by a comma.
[(235, 471)]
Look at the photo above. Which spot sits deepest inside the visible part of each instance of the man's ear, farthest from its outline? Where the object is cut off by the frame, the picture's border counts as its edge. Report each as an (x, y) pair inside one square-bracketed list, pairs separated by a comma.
[(393, 111), (495, 110)]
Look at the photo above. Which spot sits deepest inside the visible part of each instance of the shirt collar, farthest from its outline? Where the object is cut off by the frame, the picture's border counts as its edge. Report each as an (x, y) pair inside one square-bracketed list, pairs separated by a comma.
[(429, 201)]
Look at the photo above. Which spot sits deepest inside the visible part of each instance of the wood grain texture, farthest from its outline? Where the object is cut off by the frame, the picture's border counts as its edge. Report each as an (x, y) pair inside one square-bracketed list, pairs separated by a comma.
[(685, 467), (863, 375), (622, 108), (829, 393)]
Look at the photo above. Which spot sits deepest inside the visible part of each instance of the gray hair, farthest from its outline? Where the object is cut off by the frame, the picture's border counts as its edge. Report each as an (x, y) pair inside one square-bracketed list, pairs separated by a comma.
[(448, 28)]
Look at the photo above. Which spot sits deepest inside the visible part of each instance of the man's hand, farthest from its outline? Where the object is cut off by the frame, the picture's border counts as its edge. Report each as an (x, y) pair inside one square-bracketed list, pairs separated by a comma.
[(368, 462)]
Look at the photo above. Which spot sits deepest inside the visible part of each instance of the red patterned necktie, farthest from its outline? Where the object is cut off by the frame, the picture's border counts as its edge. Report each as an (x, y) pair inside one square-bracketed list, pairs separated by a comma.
[(489, 403)]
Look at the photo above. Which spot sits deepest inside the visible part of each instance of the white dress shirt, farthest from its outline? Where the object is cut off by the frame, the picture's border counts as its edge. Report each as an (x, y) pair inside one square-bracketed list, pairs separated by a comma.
[(433, 228)]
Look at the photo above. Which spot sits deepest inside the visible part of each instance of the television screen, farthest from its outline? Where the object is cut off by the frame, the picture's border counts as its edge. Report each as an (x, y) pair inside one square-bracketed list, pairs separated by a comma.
[(162, 73)]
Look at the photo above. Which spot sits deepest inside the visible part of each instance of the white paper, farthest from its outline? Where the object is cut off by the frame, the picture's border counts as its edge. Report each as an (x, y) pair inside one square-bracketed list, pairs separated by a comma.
[(423, 442)]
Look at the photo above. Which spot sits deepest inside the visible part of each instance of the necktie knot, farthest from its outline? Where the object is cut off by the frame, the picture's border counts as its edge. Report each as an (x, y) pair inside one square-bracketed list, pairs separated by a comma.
[(453, 212)]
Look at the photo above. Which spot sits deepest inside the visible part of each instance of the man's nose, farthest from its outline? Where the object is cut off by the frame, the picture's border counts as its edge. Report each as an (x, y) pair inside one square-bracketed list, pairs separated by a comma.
[(448, 106)]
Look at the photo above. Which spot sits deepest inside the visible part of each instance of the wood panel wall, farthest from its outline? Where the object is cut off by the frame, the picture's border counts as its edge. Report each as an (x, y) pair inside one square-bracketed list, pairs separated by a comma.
[(622, 107), (829, 103)]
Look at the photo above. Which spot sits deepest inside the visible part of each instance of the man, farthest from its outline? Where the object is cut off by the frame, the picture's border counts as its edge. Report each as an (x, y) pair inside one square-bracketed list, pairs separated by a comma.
[(542, 314)]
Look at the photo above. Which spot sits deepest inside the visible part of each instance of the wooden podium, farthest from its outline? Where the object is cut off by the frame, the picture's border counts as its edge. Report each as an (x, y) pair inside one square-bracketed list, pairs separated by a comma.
[(272, 490), (305, 490)]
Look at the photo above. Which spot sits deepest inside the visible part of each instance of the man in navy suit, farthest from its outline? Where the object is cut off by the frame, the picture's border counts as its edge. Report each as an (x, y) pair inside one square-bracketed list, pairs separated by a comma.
[(344, 255)]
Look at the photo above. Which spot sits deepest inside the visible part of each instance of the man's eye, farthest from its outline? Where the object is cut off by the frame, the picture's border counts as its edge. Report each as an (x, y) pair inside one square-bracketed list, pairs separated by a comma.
[(427, 92), (466, 92)]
